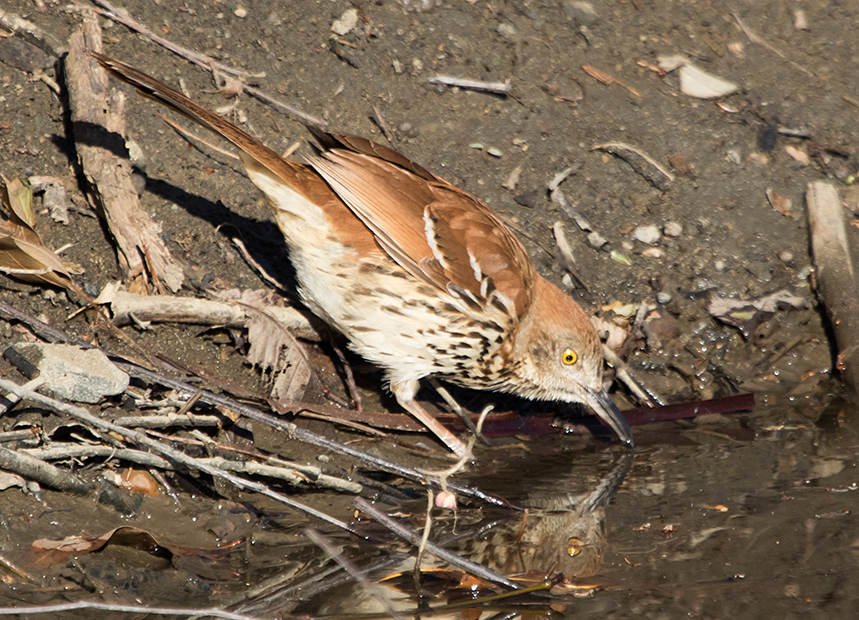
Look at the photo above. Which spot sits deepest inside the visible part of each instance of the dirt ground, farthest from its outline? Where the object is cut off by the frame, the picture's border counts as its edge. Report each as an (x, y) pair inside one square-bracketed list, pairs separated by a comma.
[(731, 225)]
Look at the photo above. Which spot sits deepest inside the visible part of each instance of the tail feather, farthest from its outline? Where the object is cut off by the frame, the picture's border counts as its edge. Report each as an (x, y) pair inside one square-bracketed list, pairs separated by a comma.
[(173, 99)]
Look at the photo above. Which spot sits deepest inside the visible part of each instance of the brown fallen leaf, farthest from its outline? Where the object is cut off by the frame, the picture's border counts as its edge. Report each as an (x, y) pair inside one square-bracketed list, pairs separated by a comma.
[(780, 203), (22, 252), (47, 552), (274, 349)]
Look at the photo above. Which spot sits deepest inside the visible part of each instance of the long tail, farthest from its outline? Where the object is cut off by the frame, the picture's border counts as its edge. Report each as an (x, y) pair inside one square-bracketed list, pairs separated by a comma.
[(148, 86)]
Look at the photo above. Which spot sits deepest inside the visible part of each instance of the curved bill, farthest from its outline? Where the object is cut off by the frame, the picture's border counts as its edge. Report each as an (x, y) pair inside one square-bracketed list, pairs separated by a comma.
[(608, 412)]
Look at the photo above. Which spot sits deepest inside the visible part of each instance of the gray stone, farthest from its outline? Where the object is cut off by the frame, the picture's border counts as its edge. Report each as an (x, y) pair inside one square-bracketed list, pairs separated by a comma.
[(75, 374), (596, 240), (673, 229), (582, 12), (647, 234)]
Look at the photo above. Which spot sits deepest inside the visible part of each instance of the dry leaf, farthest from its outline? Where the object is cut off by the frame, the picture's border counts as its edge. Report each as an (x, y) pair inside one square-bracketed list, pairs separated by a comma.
[(746, 315), (22, 253), (780, 203), (274, 349)]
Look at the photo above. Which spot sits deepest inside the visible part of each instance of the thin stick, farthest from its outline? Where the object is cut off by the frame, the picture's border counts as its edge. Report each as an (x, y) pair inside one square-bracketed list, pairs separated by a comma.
[(207, 62), (191, 136), (419, 557), (32, 468), (127, 609), (441, 553), (323, 543), (499, 88), (755, 38), (624, 374), (203, 61), (380, 121)]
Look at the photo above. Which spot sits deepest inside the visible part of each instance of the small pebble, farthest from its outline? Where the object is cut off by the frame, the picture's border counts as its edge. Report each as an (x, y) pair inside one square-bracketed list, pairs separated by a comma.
[(407, 130), (786, 256), (663, 298), (721, 266), (654, 253), (508, 31), (583, 12), (495, 152), (241, 12), (567, 281), (345, 24), (647, 234), (323, 458), (673, 229), (596, 240), (476, 145)]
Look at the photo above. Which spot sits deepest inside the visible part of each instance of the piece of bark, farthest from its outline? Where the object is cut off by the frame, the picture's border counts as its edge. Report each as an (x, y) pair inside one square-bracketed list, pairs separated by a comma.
[(836, 279), (128, 307), (99, 127)]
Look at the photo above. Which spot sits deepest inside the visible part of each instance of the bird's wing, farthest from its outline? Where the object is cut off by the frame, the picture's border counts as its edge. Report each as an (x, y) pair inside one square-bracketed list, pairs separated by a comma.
[(431, 228)]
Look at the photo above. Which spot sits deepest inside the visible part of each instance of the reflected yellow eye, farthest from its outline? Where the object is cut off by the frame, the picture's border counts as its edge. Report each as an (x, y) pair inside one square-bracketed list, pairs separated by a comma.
[(569, 357), (575, 547)]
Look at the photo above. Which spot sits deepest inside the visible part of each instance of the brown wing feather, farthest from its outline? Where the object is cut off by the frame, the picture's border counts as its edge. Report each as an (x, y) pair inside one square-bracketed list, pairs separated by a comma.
[(434, 230)]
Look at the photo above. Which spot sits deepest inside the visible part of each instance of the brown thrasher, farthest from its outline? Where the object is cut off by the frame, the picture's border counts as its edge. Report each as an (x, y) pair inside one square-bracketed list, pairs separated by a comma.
[(423, 279)]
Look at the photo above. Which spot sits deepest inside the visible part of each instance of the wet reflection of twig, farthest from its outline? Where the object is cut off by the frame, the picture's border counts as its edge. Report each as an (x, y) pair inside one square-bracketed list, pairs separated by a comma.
[(323, 543), (443, 554)]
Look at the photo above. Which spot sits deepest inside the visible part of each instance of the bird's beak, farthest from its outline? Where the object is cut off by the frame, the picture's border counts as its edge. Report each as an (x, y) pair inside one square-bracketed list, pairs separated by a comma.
[(608, 412)]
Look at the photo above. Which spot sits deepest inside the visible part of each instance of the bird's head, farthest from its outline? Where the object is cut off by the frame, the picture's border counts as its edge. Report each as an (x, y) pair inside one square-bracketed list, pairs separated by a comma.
[(560, 358)]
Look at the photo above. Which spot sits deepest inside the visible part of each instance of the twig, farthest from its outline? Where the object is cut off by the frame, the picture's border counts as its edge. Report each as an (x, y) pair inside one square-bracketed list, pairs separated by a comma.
[(191, 137), (60, 452), (207, 62), (380, 121), (755, 38), (607, 79), (47, 42), (303, 116), (499, 88), (630, 154), (350, 377), (169, 420), (441, 553), (127, 609), (32, 468), (567, 252), (419, 557), (323, 543), (204, 61), (454, 406), (624, 373), (261, 272)]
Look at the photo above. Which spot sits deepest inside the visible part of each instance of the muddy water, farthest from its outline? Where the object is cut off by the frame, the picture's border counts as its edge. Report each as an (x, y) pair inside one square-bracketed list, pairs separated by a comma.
[(701, 525)]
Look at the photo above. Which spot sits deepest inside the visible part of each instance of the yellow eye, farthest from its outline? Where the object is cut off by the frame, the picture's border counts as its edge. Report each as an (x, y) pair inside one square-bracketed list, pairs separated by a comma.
[(575, 547), (569, 357)]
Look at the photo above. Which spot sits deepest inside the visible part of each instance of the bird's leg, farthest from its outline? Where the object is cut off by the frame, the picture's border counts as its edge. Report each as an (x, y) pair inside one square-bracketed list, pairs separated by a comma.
[(454, 406), (405, 395)]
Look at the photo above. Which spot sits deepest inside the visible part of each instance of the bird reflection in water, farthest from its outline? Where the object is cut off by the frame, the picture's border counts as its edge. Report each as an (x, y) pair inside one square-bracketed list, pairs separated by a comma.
[(559, 533)]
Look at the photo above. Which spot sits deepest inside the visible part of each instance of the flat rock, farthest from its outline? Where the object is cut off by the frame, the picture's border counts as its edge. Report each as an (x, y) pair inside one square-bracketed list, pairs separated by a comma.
[(75, 374)]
